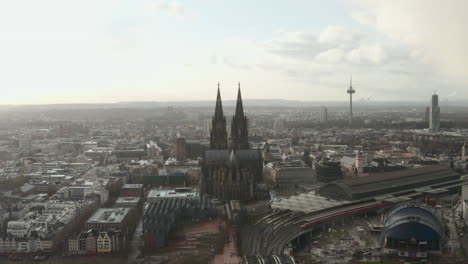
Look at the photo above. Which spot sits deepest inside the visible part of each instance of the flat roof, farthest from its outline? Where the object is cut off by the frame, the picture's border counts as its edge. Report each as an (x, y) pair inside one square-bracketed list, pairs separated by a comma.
[(132, 186), (127, 200), (158, 193), (109, 215), (287, 165)]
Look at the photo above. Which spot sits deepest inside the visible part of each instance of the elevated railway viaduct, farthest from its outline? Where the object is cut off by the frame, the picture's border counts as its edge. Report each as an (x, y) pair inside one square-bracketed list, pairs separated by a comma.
[(271, 232)]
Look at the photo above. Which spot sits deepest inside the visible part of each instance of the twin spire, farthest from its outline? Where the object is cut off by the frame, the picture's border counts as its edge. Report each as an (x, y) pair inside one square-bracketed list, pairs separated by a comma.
[(239, 130), (219, 105)]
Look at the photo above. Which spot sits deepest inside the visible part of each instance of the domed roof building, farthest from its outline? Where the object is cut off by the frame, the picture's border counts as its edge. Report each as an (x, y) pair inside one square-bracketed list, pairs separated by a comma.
[(412, 231)]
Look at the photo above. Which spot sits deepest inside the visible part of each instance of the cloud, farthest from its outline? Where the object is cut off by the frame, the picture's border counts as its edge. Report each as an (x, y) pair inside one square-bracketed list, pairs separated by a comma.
[(322, 47), (367, 54), (331, 56), (435, 29), (383, 68), (296, 45), (365, 18), (171, 7), (214, 58), (231, 62), (339, 35), (337, 45)]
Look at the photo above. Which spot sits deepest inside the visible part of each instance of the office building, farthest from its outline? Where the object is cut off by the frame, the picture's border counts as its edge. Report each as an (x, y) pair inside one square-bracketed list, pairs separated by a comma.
[(180, 148), (278, 126), (323, 115), (434, 118)]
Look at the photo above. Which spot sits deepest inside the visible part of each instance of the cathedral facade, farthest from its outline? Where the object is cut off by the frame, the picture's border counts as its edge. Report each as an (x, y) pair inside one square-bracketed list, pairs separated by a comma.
[(230, 169)]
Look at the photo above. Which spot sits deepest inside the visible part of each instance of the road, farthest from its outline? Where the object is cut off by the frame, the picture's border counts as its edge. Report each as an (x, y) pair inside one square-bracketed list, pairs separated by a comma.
[(136, 243)]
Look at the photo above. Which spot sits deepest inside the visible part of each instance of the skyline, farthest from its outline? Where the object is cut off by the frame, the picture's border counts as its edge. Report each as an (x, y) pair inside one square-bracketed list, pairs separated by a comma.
[(259, 101), (167, 51)]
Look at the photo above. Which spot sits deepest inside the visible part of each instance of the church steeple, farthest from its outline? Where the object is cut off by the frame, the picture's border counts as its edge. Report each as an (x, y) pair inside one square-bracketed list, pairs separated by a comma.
[(219, 105), (239, 106), (239, 130), (218, 135)]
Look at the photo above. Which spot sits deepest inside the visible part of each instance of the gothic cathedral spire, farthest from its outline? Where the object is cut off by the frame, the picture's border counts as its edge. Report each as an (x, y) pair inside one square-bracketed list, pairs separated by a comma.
[(239, 106), (239, 131), (218, 135), (219, 105)]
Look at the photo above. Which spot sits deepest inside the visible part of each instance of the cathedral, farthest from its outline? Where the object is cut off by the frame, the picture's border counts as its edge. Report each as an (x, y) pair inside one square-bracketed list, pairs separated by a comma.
[(230, 169)]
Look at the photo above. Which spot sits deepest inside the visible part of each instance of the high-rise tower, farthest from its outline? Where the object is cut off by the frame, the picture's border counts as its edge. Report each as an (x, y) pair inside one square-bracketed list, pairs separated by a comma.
[(239, 131), (464, 151), (351, 91), (218, 135), (323, 115), (434, 118), (278, 126), (181, 148), (427, 115)]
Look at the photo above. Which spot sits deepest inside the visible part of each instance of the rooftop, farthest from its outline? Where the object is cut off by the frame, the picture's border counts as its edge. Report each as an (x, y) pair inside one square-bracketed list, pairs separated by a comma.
[(225, 155), (127, 200), (174, 162), (132, 186), (387, 182), (289, 164), (109, 215), (307, 203), (177, 192)]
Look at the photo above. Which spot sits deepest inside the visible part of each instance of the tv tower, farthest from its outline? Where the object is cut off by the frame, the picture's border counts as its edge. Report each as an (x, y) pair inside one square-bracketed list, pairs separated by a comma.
[(351, 91)]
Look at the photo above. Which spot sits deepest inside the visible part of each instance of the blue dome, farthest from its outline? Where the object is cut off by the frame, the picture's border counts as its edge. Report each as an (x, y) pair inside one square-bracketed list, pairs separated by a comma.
[(408, 230), (407, 222), (405, 212)]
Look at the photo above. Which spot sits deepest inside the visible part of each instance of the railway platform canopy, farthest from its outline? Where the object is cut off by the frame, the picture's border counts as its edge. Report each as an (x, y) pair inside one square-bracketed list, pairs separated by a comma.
[(307, 203), (387, 182)]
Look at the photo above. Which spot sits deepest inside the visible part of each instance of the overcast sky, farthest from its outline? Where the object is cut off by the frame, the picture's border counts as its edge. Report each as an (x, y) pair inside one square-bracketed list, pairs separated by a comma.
[(102, 51)]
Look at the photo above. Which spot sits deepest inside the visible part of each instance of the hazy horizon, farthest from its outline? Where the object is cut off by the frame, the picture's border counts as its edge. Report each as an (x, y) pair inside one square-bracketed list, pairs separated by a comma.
[(232, 101), (248, 103)]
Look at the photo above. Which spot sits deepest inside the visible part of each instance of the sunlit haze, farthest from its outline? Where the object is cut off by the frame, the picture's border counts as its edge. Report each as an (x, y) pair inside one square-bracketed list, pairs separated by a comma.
[(111, 51)]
